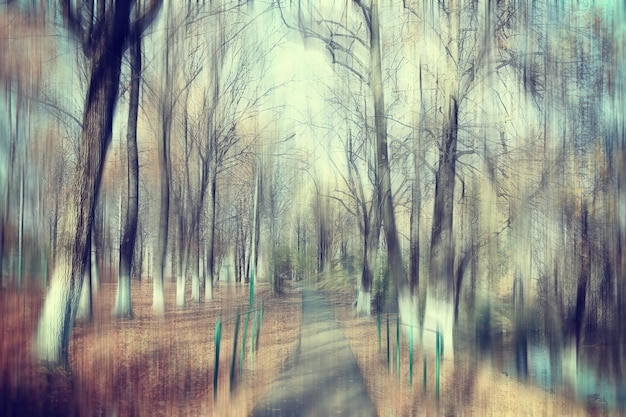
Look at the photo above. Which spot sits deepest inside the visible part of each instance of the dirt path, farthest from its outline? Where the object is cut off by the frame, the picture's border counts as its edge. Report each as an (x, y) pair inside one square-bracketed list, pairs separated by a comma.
[(322, 377)]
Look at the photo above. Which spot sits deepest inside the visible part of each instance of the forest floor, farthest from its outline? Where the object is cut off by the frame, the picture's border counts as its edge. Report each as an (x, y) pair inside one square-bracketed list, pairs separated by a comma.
[(146, 366), (467, 387), (165, 367)]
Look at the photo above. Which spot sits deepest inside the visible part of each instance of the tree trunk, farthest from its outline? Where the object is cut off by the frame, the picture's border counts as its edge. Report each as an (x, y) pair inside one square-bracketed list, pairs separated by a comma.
[(85, 309), (183, 251), (394, 255), (583, 276), (439, 310), (123, 306), (254, 252), (208, 277), (210, 255), (414, 245), (165, 174), (95, 275), (371, 236), (441, 249), (370, 249), (85, 304), (521, 327), (59, 309), (195, 270), (97, 238), (416, 197), (460, 271), (140, 255), (158, 296)]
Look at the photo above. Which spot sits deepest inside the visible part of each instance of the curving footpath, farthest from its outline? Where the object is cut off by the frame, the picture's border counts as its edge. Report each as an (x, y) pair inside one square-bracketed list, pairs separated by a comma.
[(321, 378)]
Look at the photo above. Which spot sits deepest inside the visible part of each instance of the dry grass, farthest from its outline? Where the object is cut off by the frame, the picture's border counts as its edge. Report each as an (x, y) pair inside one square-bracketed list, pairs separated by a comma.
[(145, 366), (467, 388)]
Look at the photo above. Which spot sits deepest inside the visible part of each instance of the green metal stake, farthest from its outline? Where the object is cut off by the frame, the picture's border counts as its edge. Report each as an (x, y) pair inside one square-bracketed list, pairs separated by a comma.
[(425, 373), (388, 352), (218, 331), (252, 286), (437, 352), (411, 357), (258, 332), (253, 335), (243, 343), (232, 362), (378, 327), (398, 345)]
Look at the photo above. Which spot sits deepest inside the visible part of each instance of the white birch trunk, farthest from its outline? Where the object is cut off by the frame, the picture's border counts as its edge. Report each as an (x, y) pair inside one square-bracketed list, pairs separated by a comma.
[(95, 279), (180, 289), (122, 299), (364, 303), (57, 316), (158, 295), (195, 287), (84, 311), (438, 317)]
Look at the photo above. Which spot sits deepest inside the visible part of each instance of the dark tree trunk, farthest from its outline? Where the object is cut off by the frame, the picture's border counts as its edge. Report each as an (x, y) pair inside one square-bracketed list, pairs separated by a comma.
[(257, 226), (441, 249), (123, 306), (158, 297), (371, 238), (210, 256), (370, 247), (394, 255), (521, 328), (414, 247), (460, 271), (165, 174), (583, 276)]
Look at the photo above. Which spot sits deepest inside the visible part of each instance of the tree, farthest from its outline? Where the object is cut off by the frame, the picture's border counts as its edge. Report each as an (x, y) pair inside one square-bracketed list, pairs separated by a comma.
[(123, 308), (183, 189), (467, 36), (363, 202), (102, 30), (167, 98), (369, 223)]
